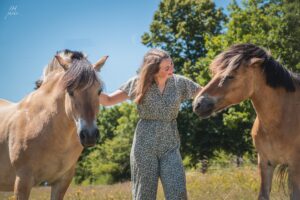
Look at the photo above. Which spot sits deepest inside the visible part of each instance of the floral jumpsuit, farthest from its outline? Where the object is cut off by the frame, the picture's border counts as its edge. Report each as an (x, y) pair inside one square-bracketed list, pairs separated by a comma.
[(155, 150)]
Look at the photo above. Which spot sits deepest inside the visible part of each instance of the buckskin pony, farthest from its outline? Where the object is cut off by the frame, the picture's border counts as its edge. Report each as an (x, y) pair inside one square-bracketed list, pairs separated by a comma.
[(42, 136), (246, 71)]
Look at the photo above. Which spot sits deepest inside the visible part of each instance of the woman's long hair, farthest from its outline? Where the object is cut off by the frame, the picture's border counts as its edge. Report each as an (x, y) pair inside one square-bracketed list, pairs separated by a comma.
[(148, 69)]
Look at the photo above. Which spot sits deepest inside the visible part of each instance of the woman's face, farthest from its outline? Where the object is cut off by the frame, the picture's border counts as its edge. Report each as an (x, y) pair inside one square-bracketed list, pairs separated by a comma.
[(166, 69)]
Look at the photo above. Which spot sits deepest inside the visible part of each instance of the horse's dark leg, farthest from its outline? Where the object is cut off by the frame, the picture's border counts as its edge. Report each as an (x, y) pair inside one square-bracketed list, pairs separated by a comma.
[(60, 186), (295, 193), (23, 184), (266, 174), (295, 183)]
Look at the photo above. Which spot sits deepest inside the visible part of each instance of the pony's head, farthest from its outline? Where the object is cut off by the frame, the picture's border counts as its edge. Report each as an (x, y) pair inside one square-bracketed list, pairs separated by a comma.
[(81, 88), (237, 74)]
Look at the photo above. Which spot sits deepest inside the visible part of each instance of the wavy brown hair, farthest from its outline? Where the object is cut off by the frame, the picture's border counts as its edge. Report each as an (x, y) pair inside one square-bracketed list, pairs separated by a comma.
[(148, 69)]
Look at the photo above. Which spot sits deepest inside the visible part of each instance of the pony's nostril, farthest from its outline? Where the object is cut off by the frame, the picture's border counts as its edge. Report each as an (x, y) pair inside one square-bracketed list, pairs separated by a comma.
[(200, 103), (82, 134), (198, 106)]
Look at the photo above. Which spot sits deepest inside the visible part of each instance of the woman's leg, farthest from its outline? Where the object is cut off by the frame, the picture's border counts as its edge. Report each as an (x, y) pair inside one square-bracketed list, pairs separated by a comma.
[(173, 176), (144, 174)]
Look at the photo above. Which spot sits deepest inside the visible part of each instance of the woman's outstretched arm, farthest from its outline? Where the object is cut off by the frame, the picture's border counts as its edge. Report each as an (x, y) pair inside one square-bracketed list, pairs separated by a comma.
[(113, 98)]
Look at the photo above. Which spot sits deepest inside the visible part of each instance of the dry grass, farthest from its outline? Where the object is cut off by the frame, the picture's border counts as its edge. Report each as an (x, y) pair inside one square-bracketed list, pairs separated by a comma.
[(225, 184)]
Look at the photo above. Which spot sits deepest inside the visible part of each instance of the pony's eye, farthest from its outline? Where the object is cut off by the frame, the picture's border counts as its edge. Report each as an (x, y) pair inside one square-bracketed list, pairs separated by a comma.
[(225, 79), (229, 77), (71, 93), (99, 91)]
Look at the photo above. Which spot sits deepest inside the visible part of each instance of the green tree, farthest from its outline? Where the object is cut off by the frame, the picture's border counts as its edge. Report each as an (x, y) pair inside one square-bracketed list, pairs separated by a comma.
[(180, 26), (291, 8), (273, 24)]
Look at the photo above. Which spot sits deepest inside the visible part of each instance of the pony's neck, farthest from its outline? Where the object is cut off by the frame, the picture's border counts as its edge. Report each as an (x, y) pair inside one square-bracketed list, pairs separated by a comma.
[(58, 98), (271, 105), (50, 97)]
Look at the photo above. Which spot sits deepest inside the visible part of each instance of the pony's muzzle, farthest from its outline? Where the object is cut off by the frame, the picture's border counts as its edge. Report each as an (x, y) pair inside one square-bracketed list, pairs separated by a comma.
[(89, 137), (203, 106)]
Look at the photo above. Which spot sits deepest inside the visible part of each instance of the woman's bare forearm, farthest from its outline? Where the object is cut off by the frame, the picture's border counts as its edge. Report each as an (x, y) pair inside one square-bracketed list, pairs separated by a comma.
[(113, 98)]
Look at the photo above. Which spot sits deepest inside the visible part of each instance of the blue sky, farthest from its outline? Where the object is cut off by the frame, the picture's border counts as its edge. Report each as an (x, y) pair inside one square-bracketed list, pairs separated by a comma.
[(31, 31)]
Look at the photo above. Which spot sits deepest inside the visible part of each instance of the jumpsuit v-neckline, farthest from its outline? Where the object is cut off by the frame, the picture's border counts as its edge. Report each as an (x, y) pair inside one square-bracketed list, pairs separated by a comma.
[(164, 89)]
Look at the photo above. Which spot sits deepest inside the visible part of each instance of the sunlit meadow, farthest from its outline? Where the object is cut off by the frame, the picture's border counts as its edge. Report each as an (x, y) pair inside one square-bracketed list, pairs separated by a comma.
[(218, 184)]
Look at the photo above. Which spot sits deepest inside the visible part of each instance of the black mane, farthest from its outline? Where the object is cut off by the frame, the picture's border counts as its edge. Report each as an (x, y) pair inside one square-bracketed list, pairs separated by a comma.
[(277, 75)]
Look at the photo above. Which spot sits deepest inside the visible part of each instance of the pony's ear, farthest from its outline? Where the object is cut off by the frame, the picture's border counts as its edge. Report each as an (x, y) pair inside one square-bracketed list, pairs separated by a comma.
[(98, 65), (255, 61), (62, 62)]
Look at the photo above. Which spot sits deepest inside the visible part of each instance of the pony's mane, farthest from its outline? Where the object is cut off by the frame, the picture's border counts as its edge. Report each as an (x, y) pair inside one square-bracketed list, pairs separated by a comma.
[(80, 74), (240, 55)]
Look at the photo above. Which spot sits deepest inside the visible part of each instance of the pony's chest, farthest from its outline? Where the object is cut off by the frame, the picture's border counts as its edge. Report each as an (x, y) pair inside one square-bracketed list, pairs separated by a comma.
[(275, 147), (57, 164)]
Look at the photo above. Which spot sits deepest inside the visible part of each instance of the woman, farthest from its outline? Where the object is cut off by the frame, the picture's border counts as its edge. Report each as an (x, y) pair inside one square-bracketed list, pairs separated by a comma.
[(155, 150)]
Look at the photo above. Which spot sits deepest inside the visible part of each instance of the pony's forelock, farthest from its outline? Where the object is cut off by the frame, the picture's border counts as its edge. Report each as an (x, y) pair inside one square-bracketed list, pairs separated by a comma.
[(80, 75)]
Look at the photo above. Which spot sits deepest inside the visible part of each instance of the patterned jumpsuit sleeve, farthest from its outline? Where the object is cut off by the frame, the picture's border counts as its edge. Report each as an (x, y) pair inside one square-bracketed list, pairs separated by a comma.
[(155, 150)]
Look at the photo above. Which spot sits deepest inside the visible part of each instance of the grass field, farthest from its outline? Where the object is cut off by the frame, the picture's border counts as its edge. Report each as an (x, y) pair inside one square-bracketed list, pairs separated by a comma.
[(217, 184)]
